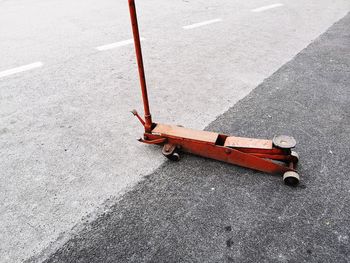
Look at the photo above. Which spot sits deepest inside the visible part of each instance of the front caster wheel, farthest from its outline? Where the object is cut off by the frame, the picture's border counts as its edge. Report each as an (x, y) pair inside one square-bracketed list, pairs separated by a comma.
[(170, 151), (291, 178), (173, 157)]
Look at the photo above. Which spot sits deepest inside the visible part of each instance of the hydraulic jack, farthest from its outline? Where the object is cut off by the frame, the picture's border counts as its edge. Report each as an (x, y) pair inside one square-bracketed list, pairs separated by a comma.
[(271, 156)]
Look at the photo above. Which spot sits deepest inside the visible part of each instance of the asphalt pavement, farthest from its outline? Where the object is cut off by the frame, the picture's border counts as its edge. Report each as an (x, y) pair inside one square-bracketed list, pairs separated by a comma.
[(200, 210), (68, 80)]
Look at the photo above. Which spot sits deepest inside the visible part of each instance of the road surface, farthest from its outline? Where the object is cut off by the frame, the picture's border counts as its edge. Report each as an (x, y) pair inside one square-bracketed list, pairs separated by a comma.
[(68, 80), (200, 210)]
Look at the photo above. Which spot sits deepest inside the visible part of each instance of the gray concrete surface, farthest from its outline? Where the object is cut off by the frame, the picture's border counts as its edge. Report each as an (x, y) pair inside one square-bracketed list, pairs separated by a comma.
[(200, 210), (66, 136)]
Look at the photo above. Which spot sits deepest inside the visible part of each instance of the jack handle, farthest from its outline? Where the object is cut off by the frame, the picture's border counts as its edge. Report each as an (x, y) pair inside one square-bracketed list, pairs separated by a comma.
[(135, 30)]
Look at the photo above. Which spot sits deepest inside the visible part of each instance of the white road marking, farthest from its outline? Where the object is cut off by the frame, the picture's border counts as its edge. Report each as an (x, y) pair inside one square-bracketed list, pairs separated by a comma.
[(202, 23), (117, 44), (267, 7), (20, 69)]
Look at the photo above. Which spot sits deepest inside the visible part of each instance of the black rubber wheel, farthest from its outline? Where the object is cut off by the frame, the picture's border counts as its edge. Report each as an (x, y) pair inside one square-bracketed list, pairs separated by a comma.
[(291, 178), (174, 157)]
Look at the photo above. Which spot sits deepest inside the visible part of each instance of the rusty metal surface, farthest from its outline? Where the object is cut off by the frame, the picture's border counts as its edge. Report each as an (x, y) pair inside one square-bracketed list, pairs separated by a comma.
[(168, 149), (225, 154), (176, 131), (232, 156), (274, 151), (240, 142)]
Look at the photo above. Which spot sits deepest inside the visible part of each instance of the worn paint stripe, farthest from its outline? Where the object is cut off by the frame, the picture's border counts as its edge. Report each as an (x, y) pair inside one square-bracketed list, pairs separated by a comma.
[(20, 69), (267, 7), (202, 23), (117, 44)]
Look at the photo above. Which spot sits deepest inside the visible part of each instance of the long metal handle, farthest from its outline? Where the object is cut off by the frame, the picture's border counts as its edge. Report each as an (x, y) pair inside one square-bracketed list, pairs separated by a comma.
[(135, 31)]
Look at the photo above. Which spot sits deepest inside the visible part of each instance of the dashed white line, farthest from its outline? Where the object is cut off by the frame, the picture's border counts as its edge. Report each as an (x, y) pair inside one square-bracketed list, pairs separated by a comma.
[(202, 23), (267, 7), (20, 69), (117, 44)]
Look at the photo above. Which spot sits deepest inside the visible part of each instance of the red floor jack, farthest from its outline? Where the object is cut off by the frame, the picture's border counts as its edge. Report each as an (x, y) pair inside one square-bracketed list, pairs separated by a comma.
[(271, 156)]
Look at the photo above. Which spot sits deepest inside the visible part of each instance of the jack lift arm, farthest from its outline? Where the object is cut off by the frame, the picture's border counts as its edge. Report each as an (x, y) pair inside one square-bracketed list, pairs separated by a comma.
[(270, 156)]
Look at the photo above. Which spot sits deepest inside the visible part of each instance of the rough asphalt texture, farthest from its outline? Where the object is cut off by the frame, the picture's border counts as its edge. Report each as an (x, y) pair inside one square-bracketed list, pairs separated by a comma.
[(201, 210), (67, 136)]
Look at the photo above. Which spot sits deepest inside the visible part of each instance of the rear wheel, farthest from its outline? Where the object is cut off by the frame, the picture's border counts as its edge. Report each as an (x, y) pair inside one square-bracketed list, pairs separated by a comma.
[(291, 178)]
